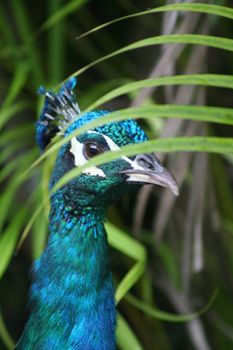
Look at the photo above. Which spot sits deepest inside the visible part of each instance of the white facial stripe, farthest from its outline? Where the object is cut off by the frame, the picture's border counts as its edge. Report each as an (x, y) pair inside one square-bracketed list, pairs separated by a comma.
[(111, 144), (114, 147), (79, 159)]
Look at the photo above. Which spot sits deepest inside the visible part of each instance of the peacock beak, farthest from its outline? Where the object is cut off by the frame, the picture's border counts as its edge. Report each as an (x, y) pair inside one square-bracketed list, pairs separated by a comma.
[(147, 169)]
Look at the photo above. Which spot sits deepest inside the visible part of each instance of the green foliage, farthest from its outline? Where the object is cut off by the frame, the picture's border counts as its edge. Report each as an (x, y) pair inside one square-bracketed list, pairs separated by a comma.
[(204, 144), (171, 266), (194, 39), (5, 335), (210, 9), (127, 340)]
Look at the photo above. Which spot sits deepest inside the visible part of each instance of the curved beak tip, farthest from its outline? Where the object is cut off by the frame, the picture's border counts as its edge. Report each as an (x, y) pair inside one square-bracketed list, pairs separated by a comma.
[(165, 179), (174, 188), (150, 171)]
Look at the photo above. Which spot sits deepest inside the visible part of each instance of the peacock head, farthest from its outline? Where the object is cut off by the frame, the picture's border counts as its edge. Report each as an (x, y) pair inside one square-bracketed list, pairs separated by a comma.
[(97, 186)]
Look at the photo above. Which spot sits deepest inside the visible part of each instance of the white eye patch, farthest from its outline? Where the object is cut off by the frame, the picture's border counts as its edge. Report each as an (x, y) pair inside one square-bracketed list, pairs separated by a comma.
[(79, 159)]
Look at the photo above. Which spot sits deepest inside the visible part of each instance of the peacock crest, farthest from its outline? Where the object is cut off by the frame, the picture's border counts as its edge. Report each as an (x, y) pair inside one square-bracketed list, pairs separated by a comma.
[(60, 109)]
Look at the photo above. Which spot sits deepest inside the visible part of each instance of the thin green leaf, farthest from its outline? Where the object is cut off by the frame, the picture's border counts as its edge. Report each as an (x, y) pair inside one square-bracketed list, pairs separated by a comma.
[(18, 81), (28, 227), (166, 316), (9, 238), (60, 14), (132, 248), (22, 162), (185, 144), (7, 113), (4, 335), (193, 39), (7, 198), (203, 8), (211, 114), (22, 20), (126, 339), (39, 235), (99, 89), (9, 151), (125, 243), (41, 220), (223, 188), (169, 263), (16, 133), (129, 280), (56, 45), (6, 30)]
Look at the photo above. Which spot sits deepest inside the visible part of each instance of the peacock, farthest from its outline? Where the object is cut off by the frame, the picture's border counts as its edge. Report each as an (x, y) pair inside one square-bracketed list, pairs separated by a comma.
[(72, 296)]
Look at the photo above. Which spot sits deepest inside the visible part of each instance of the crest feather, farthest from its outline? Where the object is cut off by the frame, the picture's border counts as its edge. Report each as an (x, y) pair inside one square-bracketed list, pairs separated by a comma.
[(60, 108)]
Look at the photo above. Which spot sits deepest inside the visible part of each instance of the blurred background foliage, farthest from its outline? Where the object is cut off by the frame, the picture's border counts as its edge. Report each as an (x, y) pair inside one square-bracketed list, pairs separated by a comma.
[(182, 246)]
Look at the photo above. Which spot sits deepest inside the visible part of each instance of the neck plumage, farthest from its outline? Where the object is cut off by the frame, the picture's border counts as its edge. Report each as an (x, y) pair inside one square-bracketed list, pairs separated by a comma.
[(72, 297)]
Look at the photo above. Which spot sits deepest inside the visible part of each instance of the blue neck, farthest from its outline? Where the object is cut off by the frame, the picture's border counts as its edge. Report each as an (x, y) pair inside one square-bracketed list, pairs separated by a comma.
[(72, 297)]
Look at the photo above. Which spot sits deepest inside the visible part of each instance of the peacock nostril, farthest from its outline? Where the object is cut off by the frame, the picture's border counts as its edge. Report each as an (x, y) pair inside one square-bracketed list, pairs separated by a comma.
[(145, 161)]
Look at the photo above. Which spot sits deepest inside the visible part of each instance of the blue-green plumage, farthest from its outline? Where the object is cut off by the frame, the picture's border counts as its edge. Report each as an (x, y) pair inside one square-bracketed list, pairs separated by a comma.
[(72, 299)]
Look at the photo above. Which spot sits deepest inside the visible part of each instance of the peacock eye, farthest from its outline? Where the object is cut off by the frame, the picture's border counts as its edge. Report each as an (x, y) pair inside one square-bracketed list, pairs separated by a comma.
[(92, 149)]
